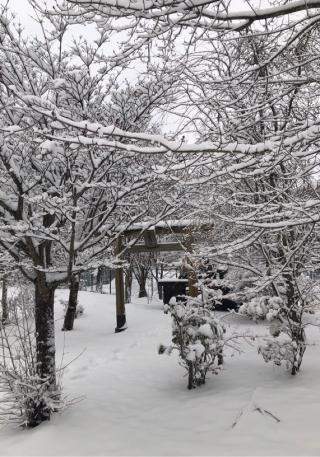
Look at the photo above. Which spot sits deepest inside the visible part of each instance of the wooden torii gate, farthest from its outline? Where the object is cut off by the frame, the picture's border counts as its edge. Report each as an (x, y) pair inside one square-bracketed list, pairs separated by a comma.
[(151, 244)]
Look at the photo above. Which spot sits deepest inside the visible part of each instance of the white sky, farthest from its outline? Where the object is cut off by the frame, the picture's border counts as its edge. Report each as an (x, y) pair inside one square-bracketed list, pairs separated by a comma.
[(24, 13)]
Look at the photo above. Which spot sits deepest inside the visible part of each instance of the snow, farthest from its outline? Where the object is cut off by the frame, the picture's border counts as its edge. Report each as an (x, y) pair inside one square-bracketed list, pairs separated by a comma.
[(51, 146), (59, 83), (205, 330), (136, 401), (196, 350), (174, 280)]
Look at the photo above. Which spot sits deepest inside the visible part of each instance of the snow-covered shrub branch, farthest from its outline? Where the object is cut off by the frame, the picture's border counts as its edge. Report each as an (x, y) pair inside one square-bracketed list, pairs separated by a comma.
[(197, 335), (25, 397), (286, 327)]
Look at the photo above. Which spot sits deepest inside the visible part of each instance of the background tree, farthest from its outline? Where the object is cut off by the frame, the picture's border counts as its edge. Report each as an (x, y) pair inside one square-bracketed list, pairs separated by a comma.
[(142, 264), (241, 100), (62, 205)]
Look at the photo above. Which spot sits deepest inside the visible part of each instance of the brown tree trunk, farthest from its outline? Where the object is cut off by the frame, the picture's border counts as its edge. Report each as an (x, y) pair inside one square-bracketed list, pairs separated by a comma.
[(192, 277), (128, 285), (4, 302), (160, 290), (40, 410), (72, 303), (142, 281), (120, 301), (141, 270), (151, 283), (142, 291), (190, 376), (295, 316), (99, 284)]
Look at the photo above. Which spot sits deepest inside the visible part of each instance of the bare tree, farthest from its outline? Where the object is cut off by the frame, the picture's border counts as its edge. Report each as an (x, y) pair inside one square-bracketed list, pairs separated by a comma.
[(62, 205), (141, 269)]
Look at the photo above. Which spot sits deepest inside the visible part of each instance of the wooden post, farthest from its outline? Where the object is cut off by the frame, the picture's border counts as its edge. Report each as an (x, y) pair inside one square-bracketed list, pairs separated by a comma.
[(120, 305), (192, 278)]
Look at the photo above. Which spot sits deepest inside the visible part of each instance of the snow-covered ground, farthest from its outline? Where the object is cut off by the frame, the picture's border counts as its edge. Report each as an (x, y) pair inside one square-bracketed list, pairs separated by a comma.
[(136, 402)]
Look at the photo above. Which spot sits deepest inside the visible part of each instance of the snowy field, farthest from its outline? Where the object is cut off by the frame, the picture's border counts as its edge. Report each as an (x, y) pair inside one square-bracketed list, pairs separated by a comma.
[(136, 402)]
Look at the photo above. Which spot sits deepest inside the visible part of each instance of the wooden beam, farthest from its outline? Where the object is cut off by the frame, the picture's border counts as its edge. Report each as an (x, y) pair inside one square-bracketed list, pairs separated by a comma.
[(162, 228), (165, 247)]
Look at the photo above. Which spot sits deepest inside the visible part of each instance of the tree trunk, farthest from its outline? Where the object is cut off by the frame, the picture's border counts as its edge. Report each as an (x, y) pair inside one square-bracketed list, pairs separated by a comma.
[(142, 291), (296, 326), (4, 302), (128, 285), (40, 410), (192, 277), (300, 341), (99, 284), (160, 290), (151, 283), (220, 357), (142, 281), (190, 376), (298, 337), (72, 303)]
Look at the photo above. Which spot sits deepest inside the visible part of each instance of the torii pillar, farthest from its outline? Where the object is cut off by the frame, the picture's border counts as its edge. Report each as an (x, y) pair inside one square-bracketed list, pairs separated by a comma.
[(120, 305), (192, 277)]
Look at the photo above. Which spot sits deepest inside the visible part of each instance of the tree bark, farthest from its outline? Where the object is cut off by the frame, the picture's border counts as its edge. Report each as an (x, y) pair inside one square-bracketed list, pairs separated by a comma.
[(40, 411), (142, 291), (4, 302), (160, 291), (128, 285), (190, 376), (120, 301), (296, 326), (192, 277), (141, 268), (99, 284), (72, 303), (142, 281)]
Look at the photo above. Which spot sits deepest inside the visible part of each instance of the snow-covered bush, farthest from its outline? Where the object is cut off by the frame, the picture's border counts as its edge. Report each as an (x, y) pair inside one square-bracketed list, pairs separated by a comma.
[(286, 326), (280, 351), (24, 395), (79, 310), (197, 335), (264, 307)]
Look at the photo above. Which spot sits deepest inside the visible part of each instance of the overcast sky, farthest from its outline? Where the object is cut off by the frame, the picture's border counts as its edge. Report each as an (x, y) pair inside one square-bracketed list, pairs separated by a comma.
[(24, 12)]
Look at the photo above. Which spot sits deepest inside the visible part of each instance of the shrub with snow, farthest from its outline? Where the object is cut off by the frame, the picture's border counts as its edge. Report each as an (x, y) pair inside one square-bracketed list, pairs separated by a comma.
[(197, 335), (24, 396), (260, 308), (286, 326), (79, 310), (280, 351)]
